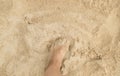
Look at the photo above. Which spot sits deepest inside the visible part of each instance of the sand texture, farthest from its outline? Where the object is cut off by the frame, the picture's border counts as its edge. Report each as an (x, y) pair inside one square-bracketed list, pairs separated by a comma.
[(27, 28)]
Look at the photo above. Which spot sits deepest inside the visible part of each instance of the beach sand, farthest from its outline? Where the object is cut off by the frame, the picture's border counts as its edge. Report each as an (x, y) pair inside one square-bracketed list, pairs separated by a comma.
[(28, 27)]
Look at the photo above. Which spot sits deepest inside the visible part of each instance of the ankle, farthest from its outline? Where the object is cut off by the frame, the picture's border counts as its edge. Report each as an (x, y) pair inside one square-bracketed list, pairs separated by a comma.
[(55, 64)]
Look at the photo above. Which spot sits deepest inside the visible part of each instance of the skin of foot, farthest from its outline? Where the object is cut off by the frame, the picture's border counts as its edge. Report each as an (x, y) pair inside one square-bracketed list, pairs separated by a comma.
[(58, 49)]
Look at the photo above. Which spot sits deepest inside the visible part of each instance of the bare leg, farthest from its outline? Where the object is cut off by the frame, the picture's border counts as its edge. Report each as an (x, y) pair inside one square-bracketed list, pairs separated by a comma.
[(58, 52)]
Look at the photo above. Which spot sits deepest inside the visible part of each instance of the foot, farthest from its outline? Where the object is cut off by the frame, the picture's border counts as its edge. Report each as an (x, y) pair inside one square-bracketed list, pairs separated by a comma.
[(58, 50)]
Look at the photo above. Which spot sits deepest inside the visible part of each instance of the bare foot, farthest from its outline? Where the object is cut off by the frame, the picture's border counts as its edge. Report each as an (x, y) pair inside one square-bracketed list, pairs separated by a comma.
[(58, 50)]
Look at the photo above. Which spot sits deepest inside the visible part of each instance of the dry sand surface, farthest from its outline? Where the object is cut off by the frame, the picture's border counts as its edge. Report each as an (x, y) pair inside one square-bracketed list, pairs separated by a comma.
[(27, 28)]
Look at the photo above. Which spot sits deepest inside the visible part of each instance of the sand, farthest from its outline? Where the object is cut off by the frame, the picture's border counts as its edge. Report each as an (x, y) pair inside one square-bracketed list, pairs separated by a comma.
[(27, 28)]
